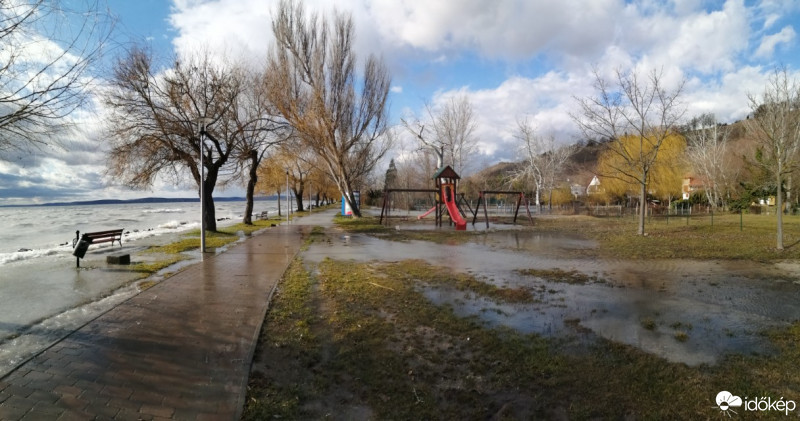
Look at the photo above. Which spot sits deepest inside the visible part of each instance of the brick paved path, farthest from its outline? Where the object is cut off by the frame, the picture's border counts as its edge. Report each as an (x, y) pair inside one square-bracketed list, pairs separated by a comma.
[(179, 350)]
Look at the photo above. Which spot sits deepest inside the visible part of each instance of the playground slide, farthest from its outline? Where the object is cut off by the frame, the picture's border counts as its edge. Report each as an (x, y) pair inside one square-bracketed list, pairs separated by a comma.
[(455, 215)]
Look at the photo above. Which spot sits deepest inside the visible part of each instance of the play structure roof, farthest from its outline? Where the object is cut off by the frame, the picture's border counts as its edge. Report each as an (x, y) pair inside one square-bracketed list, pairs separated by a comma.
[(446, 172)]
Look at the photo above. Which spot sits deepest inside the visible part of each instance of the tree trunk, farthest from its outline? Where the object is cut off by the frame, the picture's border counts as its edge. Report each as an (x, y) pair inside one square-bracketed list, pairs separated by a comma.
[(642, 204), (279, 203), (298, 195), (251, 187), (779, 211), (209, 213)]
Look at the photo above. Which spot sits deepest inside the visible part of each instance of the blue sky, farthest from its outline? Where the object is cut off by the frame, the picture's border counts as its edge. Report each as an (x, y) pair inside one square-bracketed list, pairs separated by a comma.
[(511, 58)]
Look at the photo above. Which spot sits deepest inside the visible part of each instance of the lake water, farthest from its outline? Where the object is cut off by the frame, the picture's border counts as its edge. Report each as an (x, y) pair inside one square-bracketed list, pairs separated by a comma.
[(43, 296), (49, 230)]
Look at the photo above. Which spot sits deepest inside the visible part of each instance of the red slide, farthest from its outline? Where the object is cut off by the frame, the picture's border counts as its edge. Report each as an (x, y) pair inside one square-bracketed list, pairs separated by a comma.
[(452, 208)]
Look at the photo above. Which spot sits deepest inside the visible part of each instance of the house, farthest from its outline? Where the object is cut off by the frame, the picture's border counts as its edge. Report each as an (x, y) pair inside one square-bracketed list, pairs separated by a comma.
[(691, 184), (594, 186)]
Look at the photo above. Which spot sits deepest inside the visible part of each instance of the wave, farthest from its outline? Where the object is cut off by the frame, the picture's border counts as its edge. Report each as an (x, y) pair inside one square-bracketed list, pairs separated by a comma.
[(172, 225), (178, 210), (129, 236), (18, 256)]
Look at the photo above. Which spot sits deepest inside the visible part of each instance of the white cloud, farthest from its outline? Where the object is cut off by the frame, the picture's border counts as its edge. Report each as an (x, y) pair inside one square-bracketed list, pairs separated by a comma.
[(770, 20), (500, 29), (397, 89), (546, 100), (727, 96), (235, 28), (770, 42)]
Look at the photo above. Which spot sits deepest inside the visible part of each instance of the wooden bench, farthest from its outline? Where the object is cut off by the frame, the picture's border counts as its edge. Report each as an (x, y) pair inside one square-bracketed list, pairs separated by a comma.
[(263, 215), (82, 242)]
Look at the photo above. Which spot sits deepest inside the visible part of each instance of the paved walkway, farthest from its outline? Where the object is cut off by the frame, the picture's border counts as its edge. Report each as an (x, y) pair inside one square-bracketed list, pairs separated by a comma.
[(179, 350)]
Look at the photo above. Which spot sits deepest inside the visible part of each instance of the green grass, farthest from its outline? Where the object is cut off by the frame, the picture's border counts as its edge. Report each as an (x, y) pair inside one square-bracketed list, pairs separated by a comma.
[(150, 268), (363, 336), (213, 240)]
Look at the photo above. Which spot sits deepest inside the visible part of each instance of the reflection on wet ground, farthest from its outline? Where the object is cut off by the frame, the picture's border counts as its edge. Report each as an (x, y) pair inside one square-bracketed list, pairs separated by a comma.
[(683, 310)]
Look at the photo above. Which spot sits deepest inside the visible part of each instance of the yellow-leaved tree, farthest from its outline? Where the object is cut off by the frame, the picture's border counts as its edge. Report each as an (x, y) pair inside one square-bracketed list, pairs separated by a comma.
[(621, 177), (666, 177), (637, 114)]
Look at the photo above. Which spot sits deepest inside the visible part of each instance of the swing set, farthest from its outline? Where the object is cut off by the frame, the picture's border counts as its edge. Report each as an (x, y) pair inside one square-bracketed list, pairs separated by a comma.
[(448, 200), (482, 200)]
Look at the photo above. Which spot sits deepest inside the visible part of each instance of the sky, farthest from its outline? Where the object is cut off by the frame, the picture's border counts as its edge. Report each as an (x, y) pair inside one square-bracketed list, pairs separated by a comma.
[(512, 59)]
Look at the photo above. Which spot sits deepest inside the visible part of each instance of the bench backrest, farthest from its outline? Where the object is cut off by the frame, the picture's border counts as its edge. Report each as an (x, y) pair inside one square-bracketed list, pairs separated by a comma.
[(103, 234)]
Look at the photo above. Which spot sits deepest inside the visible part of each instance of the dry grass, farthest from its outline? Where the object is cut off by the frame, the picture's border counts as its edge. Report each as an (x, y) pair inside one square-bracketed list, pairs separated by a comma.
[(674, 238)]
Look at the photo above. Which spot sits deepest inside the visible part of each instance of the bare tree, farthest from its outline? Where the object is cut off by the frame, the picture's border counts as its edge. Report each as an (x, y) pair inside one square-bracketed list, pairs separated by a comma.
[(776, 127), (314, 84), (708, 155), (258, 126), (46, 53), (153, 122), (543, 159), (451, 133), (632, 106)]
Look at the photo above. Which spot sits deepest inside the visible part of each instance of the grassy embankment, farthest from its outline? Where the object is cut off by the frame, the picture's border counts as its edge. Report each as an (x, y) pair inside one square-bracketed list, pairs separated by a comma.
[(361, 341)]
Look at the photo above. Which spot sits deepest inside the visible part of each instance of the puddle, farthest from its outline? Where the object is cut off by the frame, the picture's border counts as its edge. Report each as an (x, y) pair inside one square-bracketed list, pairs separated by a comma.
[(686, 311)]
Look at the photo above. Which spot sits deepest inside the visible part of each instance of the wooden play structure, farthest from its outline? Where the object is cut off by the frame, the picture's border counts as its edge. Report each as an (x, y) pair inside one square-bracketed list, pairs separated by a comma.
[(448, 200)]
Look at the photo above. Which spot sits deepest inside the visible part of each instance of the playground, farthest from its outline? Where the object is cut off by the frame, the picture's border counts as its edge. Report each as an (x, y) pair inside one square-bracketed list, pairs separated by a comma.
[(448, 203)]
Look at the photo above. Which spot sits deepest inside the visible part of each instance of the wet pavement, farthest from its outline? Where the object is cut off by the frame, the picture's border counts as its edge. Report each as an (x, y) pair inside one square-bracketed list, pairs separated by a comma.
[(179, 350)]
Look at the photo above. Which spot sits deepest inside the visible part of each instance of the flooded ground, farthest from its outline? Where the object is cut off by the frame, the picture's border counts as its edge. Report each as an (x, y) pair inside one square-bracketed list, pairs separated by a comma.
[(682, 310), (45, 300)]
